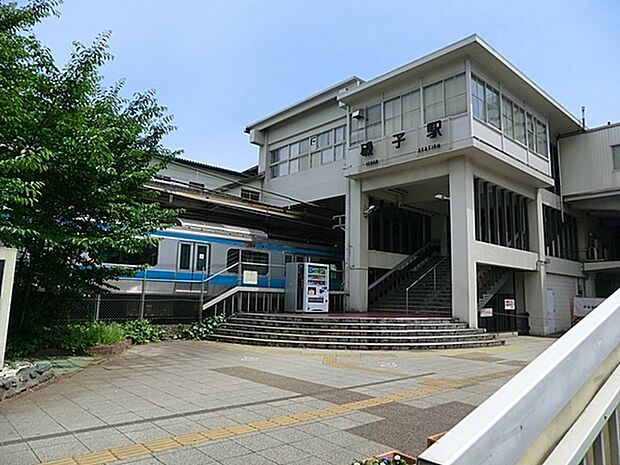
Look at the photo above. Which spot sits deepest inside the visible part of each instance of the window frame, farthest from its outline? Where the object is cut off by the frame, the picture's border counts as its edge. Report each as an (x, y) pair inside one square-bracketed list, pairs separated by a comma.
[(614, 155)]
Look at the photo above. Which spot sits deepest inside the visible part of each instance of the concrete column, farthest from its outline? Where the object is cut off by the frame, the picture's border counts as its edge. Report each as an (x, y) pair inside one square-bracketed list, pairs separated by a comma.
[(462, 234), (7, 271), (357, 247), (535, 281), (439, 230)]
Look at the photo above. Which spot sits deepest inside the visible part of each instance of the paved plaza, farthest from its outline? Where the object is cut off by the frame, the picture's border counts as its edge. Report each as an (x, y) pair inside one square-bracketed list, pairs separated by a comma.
[(190, 402)]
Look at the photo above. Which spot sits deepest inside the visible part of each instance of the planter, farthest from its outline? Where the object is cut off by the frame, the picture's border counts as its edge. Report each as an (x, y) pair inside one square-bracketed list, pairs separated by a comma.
[(434, 438), (110, 349), (390, 455)]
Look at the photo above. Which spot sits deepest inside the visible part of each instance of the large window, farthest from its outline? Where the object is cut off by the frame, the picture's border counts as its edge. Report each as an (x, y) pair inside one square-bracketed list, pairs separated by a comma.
[(486, 102), (320, 149), (402, 113), (456, 95), (445, 98), (615, 154), (505, 115), (441, 99), (433, 102), (251, 260), (366, 125), (148, 257), (560, 234), (501, 216)]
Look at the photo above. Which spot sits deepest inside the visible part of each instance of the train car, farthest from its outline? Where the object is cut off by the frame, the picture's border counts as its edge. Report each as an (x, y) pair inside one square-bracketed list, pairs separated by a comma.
[(199, 258)]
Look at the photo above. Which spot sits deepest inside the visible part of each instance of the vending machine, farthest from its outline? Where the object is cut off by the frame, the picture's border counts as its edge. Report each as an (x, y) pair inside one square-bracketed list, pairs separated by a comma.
[(307, 287)]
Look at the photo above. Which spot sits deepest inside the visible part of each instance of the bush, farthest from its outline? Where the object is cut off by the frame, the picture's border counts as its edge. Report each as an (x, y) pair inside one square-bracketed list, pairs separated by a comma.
[(74, 338), (200, 331), (142, 332)]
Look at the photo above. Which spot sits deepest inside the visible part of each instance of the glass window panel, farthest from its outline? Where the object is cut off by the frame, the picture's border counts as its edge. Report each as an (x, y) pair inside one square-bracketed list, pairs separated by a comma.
[(507, 118), (392, 108), (304, 146), (373, 131), (541, 138), (373, 115), (477, 93), (294, 166), (325, 139), (615, 153), (275, 156), (255, 261), (315, 159), (339, 134), (275, 171), (455, 86), (184, 256), (411, 110), (339, 152), (304, 163), (295, 149), (283, 169), (411, 119), (456, 105), (327, 155), (519, 124), (201, 258), (232, 258), (493, 112), (531, 140)]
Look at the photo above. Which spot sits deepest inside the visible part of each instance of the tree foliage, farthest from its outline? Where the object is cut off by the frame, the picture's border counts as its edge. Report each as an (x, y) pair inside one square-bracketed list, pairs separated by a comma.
[(74, 160)]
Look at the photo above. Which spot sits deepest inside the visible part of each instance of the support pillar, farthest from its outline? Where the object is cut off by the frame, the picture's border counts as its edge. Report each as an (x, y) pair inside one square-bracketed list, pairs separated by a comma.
[(357, 247), (462, 229), (7, 272), (535, 281)]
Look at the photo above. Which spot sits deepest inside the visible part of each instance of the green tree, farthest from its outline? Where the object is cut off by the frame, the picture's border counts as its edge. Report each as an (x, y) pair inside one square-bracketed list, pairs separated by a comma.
[(74, 160)]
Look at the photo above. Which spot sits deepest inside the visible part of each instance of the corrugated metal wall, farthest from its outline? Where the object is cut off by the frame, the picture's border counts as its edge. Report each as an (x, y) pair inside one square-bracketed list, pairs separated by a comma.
[(586, 161)]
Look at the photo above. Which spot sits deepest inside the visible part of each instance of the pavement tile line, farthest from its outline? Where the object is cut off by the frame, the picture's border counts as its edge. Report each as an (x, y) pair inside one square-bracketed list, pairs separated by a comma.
[(187, 415), (430, 386)]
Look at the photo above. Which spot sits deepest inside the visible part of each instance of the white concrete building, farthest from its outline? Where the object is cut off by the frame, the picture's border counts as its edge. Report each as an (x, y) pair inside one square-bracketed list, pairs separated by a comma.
[(458, 172)]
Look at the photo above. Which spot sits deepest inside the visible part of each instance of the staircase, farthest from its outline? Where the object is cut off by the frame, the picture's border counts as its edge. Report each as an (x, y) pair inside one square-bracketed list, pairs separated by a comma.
[(430, 295), (490, 280), (351, 333)]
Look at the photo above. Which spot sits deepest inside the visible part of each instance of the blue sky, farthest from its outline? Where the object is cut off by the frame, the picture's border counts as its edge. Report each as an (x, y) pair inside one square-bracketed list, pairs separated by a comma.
[(221, 64)]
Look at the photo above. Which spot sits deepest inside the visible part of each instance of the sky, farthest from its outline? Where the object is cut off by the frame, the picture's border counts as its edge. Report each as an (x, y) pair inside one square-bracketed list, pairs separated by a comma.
[(219, 65)]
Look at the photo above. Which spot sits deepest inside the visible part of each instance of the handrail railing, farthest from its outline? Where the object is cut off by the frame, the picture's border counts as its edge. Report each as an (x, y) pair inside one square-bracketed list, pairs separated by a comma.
[(402, 264), (434, 270), (527, 418)]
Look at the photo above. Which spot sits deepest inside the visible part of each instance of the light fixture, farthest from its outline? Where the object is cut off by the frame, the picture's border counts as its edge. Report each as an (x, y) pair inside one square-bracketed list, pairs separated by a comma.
[(442, 197), (369, 210)]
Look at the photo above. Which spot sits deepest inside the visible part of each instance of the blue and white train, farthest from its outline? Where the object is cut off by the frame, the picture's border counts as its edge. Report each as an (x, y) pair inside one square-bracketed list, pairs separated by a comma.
[(192, 257)]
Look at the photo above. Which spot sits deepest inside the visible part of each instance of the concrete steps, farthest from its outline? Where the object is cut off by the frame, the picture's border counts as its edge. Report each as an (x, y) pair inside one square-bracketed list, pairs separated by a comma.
[(353, 333)]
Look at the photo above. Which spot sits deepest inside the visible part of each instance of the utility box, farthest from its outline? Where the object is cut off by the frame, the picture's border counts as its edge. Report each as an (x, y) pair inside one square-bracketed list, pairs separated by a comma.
[(307, 287)]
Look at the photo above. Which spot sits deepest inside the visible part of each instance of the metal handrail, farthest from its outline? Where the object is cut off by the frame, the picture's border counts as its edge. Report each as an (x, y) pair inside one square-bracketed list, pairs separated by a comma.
[(402, 264), (434, 270), (530, 415)]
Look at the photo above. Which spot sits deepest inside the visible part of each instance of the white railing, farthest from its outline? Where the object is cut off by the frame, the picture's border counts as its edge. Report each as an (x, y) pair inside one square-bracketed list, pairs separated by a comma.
[(561, 405)]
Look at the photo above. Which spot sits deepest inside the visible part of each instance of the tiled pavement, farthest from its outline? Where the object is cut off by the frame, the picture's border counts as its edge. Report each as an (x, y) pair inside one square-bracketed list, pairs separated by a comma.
[(257, 405)]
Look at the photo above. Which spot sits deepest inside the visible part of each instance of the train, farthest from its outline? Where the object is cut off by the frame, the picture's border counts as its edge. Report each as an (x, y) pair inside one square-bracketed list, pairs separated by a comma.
[(194, 257)]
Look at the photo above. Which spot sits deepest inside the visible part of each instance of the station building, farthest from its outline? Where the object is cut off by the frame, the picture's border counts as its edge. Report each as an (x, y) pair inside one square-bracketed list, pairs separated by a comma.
[(460, 157)]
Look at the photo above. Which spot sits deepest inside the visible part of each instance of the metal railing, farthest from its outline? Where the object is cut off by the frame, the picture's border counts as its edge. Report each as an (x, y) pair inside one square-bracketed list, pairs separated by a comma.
[(433, 270), (421, 252), (560, 409)]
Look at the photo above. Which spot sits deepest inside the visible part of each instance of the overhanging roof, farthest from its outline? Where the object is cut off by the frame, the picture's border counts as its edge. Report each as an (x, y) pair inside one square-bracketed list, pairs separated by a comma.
[(304, 105)]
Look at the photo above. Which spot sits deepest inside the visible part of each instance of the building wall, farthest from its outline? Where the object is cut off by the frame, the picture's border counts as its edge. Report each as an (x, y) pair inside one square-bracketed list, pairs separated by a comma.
[(319, 181), (586, 161)]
